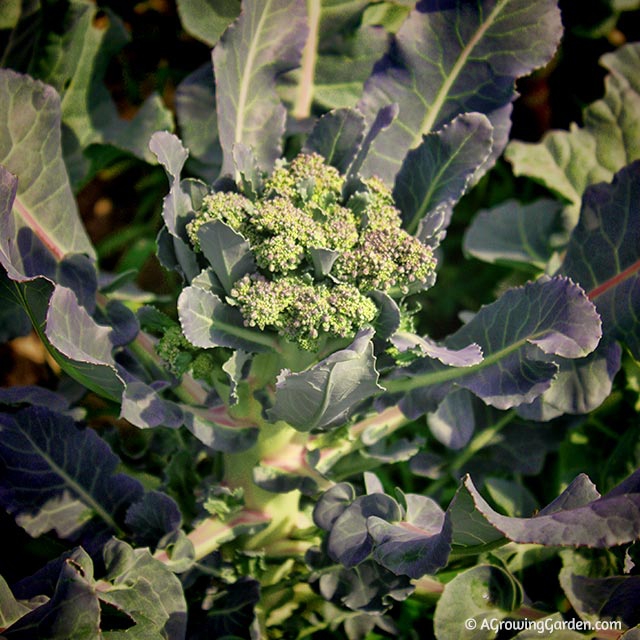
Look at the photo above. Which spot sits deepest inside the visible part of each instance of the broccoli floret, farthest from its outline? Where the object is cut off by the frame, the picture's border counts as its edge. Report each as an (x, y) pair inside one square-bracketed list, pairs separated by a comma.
[(302, 310), (228, 207), (175, 350), (302, 210)]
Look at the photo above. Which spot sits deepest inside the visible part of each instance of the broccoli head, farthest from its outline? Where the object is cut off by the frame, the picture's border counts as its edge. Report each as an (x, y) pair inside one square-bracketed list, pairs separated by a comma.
[(300, 214)]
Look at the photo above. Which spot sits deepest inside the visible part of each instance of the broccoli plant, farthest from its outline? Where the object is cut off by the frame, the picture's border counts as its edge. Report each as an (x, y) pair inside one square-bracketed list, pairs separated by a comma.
[(291, 452)]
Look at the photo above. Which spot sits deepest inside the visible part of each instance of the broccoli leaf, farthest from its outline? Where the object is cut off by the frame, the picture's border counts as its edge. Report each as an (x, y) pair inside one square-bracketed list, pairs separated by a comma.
[(436, 174), (514, 233), (177, 206), (82, 347), (519, 334), (195, 102), (227, 251), (337, 136), (326, 394), (567, 162), (445, 61), (206, 20), (482, 593), (603, 254), (48, 460), (265, 41), (337, 58), (580, 386), (74, 60), (349, 541), (419, 544), (38, 225), (599, 598), (579, 517), (140, 588), (208, 322)]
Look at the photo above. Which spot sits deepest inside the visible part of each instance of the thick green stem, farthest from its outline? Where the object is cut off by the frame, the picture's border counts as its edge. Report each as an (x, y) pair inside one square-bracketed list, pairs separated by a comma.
[(282, 508)]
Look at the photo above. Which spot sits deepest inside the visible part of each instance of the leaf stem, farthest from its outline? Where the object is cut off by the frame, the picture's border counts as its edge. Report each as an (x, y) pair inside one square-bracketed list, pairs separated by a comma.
[(304, 94)]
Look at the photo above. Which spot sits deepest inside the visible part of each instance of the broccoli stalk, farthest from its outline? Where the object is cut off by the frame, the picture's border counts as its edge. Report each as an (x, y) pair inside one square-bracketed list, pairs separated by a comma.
[(319, 259)]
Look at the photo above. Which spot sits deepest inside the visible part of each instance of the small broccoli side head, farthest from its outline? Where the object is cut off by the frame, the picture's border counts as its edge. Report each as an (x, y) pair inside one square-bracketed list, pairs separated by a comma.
[(319, 255)]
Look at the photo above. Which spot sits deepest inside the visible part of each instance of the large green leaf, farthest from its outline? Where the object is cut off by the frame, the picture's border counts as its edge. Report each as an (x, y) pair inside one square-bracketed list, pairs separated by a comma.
[(473, 601), (207, 19), (522, 335), (603, 254), (568, 161), (265, 41), (326, 394), (455, 57), (39, 220)]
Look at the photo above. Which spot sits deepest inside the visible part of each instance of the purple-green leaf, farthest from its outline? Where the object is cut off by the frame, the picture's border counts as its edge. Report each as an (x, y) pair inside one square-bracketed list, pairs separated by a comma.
[(519, 335), (208, 322), (349, 541), (39, 224), (455, 57), (579, 519), (326, 394), (436, 174), (82, 346), (337, 137), (264, 42), (177, 207), (603, 254), (47, 460), (419, 544), (228, 252)]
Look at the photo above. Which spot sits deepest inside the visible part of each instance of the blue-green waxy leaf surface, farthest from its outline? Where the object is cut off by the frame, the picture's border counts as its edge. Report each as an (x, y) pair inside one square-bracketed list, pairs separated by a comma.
[(227, 252), (567, 162), (38, 225), (515, 233), (177, 207), (454, 57), (326, 394), (264, 42), (484, 593), (436, 174), (139, 587), (349, 541), (208, 322), (519, 334), (84, 345), (579, 517), (196, 114), (417, 545), (580, 385), (603, 254), (337, 136), (57, 475)]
